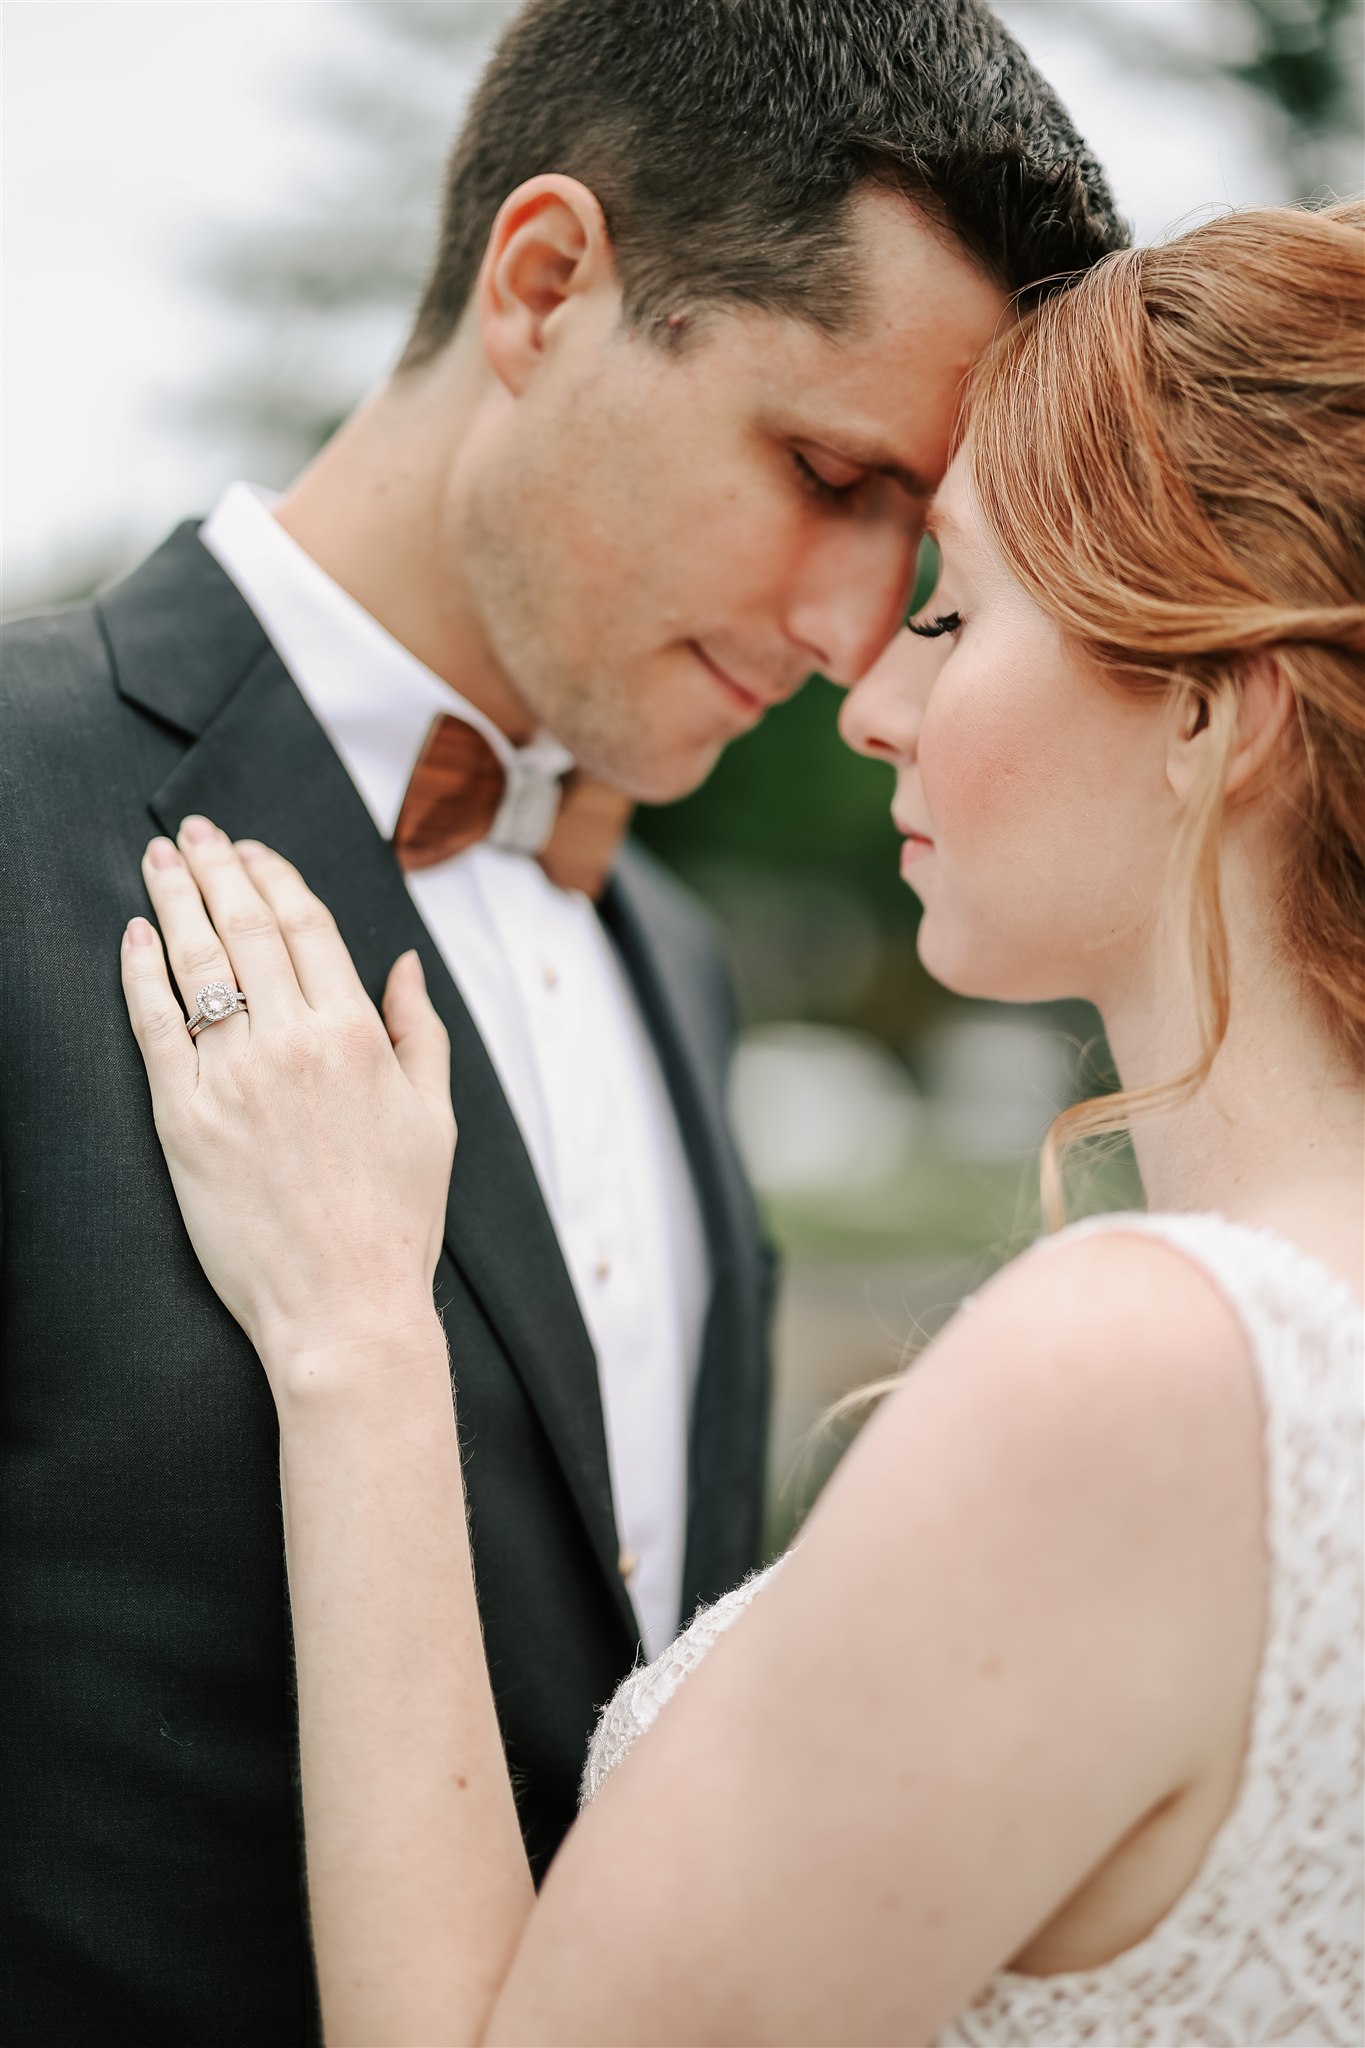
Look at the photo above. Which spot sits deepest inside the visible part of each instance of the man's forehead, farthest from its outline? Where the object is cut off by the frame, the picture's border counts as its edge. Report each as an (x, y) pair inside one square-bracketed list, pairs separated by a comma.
[(882, 396)]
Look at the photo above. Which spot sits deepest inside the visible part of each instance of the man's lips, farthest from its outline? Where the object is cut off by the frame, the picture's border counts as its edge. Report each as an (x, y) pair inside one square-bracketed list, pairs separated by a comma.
[(754, 702)]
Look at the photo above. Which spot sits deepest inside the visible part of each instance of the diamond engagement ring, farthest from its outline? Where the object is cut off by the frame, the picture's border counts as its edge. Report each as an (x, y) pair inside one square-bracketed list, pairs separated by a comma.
[(213, 1004)]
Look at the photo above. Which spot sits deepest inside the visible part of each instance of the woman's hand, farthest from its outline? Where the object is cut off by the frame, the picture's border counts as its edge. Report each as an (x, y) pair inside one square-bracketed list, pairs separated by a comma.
[(309, 1141)]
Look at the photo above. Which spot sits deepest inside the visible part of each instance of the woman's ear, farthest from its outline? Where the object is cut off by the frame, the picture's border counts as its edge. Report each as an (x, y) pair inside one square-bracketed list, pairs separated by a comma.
[(1240, 724), (547, 251)]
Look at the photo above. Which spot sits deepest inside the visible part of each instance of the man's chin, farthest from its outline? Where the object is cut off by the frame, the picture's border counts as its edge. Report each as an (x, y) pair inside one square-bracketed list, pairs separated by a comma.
[(660, 779)]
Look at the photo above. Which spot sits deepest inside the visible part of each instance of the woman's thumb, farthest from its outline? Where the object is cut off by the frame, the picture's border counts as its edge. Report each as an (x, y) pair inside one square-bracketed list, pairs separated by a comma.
[(417, 1033)]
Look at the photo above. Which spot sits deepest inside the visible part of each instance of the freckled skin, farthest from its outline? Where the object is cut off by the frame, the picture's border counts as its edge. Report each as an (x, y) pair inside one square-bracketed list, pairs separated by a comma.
[(637, 498), (1041, 784)]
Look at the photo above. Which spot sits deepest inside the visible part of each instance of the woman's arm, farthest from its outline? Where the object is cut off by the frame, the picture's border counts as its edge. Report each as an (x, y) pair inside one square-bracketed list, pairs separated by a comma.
[(1024, 1617), (1025, 1614), (419, 1889), (310, 1150)]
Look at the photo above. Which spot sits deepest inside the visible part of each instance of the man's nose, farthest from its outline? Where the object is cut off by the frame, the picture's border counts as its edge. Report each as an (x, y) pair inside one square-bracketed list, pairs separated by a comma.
[(882, 714), (850, 598)]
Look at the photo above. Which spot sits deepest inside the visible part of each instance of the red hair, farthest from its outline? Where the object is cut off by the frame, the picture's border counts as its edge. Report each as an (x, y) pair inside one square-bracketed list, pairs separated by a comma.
[(1171, 458)]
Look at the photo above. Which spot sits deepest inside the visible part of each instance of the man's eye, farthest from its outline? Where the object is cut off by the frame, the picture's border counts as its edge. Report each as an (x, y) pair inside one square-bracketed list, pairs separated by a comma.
[(825, 486), (931, 629)]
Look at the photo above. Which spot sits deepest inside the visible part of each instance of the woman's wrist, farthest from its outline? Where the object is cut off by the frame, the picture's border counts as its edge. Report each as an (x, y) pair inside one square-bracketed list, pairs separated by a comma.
[(336, 1358)]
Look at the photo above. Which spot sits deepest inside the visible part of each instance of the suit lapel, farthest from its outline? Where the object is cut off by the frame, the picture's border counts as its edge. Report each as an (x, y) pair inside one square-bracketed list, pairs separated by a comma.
[(261, 767), (729, 1413)]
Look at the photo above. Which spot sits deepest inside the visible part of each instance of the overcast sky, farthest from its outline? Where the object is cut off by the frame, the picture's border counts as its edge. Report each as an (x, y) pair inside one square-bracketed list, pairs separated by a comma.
[(135, 130)]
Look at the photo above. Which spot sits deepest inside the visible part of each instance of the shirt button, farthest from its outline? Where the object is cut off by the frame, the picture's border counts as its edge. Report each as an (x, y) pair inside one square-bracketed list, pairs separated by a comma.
[(602, 1270), (550, 976), (626, 1563)]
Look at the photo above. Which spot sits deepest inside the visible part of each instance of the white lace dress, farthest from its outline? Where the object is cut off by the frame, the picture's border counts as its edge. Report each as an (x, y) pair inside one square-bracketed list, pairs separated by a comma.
[(1268, 1943)]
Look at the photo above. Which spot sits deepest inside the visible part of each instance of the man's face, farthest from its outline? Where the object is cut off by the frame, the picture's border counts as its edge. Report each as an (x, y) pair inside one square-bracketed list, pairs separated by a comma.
[(661, 544)]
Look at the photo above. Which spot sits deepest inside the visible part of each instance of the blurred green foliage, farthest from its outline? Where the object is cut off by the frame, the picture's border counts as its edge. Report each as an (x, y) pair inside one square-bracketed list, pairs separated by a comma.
[(788, 799), (942, 1204), (789, 810)]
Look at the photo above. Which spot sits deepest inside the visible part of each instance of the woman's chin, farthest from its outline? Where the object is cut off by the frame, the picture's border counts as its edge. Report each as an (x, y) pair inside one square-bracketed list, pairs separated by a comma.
[(951, 970), (974, 971)]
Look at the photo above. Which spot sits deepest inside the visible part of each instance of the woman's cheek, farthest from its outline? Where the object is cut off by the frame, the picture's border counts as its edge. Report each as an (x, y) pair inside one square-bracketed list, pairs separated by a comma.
[(968, 764)]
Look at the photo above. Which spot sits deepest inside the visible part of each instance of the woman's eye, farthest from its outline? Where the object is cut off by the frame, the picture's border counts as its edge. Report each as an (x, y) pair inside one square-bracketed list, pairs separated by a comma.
[(932, 629), (833, 482)]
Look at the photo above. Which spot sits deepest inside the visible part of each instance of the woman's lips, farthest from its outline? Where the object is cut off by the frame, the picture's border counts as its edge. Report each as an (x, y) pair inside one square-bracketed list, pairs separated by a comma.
[(915, 848)]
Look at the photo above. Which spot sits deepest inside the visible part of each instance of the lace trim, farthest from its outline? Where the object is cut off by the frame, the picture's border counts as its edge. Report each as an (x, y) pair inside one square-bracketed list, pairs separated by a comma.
[(636, 1704), (1138, 1988)]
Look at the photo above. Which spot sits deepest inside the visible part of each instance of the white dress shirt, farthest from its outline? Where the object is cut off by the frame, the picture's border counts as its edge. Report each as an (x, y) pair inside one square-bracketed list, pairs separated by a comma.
[(561, 1024)]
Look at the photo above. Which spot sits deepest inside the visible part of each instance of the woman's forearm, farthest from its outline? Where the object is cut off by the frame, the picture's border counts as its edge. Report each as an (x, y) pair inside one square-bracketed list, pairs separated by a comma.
[(418, 1885)]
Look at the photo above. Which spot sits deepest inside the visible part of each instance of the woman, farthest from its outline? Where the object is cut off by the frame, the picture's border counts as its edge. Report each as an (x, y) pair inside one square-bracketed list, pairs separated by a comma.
[(1048, 1728)]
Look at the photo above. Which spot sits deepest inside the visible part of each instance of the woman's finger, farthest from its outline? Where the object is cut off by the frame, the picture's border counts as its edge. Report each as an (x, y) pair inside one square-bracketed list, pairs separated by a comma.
[(419, 1038), (245, 923), (197, 955), (168, 1051), (325, 970)]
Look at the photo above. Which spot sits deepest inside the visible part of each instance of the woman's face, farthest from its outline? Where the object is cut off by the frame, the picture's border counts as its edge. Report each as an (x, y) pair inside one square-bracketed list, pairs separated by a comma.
[(1031, 792)]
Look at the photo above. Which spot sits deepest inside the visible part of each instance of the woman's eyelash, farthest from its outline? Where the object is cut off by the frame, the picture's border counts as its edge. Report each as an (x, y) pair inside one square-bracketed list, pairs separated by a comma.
[(946, 622), (815, 482)]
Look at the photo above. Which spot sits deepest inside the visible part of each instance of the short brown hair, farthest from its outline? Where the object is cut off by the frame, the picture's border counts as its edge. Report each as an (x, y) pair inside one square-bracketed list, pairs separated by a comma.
[(723, 140)]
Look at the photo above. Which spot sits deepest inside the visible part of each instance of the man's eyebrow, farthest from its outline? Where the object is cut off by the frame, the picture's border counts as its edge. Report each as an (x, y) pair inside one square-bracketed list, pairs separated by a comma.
[(909, 480)]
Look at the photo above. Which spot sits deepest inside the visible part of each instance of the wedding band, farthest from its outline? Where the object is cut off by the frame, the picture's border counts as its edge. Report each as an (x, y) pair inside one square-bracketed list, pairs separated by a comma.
[(212, 1004)]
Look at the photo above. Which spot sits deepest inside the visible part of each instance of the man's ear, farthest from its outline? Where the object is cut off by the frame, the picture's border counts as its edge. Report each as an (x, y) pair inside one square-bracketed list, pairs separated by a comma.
[(548, 247), (1248, 718)]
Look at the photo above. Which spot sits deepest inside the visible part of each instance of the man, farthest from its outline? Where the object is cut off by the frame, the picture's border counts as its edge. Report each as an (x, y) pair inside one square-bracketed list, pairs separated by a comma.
[(709, 277)]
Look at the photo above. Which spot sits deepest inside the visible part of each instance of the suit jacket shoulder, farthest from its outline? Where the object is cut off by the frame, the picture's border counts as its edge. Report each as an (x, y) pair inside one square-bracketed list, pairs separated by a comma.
[(52, 665), (69, 742)]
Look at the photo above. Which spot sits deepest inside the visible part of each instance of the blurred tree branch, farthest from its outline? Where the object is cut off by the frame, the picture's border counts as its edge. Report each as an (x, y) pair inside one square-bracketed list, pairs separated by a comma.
[(323, 291), (1300, 59)]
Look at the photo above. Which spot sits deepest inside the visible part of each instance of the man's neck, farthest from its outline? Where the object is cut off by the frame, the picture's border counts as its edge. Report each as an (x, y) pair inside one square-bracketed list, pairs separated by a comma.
[(374, 511)]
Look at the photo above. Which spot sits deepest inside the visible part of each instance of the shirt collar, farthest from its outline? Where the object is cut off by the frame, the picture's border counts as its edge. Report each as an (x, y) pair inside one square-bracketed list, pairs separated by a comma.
[(373, 699)]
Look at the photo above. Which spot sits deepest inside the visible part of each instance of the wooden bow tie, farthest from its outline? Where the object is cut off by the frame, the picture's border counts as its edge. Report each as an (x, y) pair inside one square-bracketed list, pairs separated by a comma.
[(455, 794)]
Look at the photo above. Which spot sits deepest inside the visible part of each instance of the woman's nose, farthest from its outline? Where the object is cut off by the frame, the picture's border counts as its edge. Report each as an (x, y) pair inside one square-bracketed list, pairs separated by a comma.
[(881, 715)]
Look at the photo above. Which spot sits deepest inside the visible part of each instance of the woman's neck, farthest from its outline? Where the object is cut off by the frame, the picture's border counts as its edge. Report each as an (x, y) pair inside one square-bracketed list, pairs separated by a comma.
[(1275, 1135)]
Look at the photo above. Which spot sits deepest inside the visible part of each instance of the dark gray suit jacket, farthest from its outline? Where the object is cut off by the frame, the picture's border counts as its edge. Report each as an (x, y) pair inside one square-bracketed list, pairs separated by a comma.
[(151, 1862)]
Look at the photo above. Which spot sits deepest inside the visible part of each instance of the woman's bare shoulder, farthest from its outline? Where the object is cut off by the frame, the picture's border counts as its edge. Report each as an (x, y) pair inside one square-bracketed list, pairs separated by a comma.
[(1098, 1391), (1118, 1314)]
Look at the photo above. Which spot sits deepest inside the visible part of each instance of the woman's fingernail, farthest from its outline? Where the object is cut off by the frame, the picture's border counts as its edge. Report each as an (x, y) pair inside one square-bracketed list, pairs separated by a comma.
[(415, 969), (249, 848), (139, 932), (196, 830), (162, 853)]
